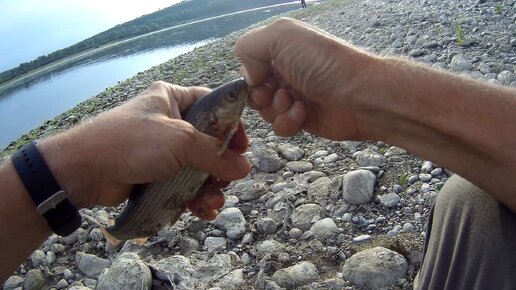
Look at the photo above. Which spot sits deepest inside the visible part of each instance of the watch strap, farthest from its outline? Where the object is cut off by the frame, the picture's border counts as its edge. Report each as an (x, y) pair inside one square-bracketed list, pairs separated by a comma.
[(51, 201)]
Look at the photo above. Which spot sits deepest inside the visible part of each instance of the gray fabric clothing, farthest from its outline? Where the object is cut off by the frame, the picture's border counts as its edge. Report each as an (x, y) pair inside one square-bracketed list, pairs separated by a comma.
[(470, 241)]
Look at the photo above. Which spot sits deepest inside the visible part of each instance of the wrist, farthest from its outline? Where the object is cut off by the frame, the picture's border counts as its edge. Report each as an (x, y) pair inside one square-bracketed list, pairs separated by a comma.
[(70, 166)]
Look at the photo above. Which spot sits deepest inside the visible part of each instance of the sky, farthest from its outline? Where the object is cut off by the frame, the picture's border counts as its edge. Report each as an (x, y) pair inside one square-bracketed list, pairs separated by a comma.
[(30, 28)]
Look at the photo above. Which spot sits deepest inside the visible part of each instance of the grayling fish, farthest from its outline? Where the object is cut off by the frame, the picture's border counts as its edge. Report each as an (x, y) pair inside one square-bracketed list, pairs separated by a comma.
[(152, 206)]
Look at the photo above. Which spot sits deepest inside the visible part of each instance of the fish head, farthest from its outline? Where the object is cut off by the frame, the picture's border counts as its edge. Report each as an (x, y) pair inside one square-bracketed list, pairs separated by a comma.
[(233, 98)]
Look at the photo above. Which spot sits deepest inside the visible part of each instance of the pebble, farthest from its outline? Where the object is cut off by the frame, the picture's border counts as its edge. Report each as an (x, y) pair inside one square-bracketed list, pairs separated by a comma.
[(299, 166), (408, 227), (361, 239), (266, 226), (324, 228), (128, 271), (62, 284), (305, 215), (413, 179), (271, 247), (90, 265), (460, 63), (68, 275), (358, 186), (178, 267), (320, 188), (327, 159), (231, 281), (369, 158), (34, 280), (291, 152), (296, 276), (266, 159), (436, 171), (375, 268), (390, 199), (232, 221), (13, 282), (57, 248), (425, 177), (427, 167), (246, 259), (37, 258), (214, 244), (417, 52)]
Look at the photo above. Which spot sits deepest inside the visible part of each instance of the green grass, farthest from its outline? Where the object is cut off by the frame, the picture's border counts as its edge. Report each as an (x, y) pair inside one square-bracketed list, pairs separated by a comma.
[(403, 179), (460, 34), (498, 8)]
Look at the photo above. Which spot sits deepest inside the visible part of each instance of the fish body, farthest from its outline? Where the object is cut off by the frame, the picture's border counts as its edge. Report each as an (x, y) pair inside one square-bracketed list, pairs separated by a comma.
[(152, 206)]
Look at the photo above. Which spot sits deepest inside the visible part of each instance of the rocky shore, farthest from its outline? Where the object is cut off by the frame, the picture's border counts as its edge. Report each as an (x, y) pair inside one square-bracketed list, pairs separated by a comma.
[(314, 213)]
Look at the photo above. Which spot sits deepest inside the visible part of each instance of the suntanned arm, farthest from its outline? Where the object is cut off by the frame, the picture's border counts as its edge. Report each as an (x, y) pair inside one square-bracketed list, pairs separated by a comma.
[(306, 79), (97, 163), (465, 125)]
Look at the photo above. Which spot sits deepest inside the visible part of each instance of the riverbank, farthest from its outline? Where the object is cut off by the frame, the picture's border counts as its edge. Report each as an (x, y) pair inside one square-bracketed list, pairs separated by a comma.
[(294, 227)]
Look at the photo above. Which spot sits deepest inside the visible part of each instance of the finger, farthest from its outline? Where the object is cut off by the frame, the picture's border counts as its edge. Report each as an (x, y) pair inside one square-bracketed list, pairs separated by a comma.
[(239, 142), (200, 151), (253, 50), (290, 122), (261, 97), (210, 197)]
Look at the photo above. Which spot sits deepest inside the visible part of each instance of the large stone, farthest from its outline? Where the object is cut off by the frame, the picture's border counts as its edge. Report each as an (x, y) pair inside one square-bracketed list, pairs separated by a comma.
[(34, 280), (299, 166), (127, 272), (375, 268), (324, 228), (358, 186), (291, 152), (232, 221), (177, 269), (265, 158), (459, 63), (320, 188), (305, 215), (296, 276), (90, 265), (231, 281)]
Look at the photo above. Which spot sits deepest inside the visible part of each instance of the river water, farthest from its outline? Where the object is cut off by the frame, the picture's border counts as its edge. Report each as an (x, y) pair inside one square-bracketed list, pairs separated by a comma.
[(45, 96)]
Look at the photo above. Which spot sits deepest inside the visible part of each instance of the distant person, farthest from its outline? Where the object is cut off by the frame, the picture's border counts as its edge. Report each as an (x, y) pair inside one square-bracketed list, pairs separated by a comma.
[(303, 3)]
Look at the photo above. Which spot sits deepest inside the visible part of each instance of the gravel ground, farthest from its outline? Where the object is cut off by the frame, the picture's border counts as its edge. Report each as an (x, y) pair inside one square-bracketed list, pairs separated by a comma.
[(313, 212)]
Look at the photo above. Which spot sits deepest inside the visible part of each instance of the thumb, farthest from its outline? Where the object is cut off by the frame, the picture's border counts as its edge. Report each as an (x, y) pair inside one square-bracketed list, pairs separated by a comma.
[(202, 154)]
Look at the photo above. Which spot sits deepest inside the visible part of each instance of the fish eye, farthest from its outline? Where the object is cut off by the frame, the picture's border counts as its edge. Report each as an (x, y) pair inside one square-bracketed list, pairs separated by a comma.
[(231, 96)]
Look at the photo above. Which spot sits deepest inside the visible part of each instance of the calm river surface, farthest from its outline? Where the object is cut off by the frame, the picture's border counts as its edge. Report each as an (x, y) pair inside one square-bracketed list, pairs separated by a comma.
[(28, 105)]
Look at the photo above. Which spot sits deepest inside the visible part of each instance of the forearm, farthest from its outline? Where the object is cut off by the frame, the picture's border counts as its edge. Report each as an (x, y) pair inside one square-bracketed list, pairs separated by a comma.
[(465, 125)]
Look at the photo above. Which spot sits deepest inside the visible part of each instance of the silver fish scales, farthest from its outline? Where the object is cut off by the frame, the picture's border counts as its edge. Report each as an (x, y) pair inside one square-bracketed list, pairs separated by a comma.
[(152, 206)]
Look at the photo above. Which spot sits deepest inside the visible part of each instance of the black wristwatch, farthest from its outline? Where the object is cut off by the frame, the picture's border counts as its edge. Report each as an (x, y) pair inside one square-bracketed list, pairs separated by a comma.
[(51, 201)]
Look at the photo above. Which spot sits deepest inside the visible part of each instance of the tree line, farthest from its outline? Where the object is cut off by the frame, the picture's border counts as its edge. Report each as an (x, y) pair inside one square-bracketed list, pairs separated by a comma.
[(182, 12)]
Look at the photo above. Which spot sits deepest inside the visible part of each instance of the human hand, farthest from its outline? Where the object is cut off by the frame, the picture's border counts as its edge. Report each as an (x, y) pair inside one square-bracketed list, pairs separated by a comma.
[(303, 79), (142, 141)]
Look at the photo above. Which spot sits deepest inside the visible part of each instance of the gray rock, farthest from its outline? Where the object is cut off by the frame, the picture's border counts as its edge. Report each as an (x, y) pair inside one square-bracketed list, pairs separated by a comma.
[(506, 77), (271, 247), (361, 238), (90, 265), (57, 248), (62, 284), (324, 228), (296, 276), (425, 177), (34, 280), (408, 227), (231, 201), (427, 167), (176, 269), (460, 63), (37, 258), (213, 244), (320, 188), (437, 171), (358, 186), (417, 52), (390, 199), (394, 151), (267, 160), (246, 259), (266, 226), (413, 178), (327, 159), (314, 175), (295, 233), (232, 221), (305, 215), (96, 234), (299, 166), (231, 281), (68, 275), (431, 44), (79, 288), (248, 190), (350, 146), (13, 282), (375, 268), (291, 152), (369, 158), (127, 272), (188, 245)]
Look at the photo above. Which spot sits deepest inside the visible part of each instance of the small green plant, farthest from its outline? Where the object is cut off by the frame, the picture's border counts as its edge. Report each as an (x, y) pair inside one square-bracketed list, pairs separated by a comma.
[(403, 179), (498, 8), (460, 34)]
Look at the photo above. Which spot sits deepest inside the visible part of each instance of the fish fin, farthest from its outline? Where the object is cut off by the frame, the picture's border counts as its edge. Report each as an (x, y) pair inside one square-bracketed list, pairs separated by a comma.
[(228, 134), (140, 241), (112, 240)]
